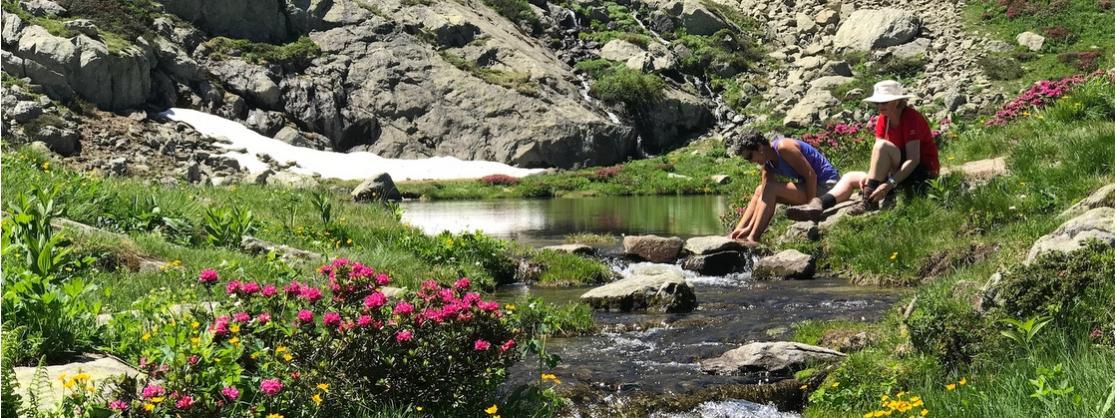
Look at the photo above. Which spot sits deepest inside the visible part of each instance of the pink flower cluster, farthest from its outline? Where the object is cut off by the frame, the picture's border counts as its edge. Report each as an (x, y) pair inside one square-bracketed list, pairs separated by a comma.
[(349, 280), (1038, 96), (208, 277), (834, 135)]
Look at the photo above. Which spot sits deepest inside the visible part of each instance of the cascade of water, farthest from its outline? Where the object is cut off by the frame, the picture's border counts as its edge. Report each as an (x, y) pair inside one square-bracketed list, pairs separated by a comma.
[(644, 27), (585, 89)]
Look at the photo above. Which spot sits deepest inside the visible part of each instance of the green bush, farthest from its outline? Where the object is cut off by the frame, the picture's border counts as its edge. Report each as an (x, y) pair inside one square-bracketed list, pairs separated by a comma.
[(299, 52), (563, 269), (1000, 67), (947, 328), (1077, 285), (518, 11), (631, 87), (727, 49)]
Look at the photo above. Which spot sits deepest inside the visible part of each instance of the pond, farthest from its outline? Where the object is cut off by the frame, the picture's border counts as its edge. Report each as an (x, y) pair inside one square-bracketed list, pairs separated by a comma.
[(540, 222)]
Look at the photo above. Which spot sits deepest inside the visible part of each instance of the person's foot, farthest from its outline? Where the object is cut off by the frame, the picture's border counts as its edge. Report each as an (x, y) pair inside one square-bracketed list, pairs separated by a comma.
[(865, 205), (811, 211), (748, 243)]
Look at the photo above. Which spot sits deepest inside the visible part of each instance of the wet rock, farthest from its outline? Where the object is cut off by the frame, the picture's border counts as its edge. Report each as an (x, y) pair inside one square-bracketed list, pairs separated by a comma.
[(712, 244), (650, 288), (716, 264), (787, 264), (653, 248), (1096, 223), (1032, 41), (1100, 198), (378, 188), (579, 249), (253, 245), (865, 30), (99, 368), (780, 357)]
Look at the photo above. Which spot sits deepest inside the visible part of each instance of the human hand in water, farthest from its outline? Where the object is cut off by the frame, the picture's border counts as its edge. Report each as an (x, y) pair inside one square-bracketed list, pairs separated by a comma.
[(739, 233)]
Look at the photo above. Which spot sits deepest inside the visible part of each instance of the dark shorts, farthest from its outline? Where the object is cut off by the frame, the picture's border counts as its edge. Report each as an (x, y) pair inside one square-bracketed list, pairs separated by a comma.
[(918, 180)]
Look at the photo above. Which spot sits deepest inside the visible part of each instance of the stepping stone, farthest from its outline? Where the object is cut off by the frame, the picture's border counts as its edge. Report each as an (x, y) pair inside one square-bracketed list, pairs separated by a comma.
[(650, 288), (653, 248), (787, 264), (716, 264), (780, 357), (712, 244), (1096, 223)]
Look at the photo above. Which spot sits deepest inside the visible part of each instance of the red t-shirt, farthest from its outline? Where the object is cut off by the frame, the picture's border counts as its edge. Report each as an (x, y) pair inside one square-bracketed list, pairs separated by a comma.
[(913, 127)]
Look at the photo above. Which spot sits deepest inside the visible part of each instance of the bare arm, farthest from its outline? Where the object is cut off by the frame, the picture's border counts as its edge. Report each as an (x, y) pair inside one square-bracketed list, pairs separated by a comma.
[(909, 165)]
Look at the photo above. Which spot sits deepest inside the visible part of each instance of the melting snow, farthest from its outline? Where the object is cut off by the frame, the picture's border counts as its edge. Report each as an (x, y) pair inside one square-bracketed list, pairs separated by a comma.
[(347, 166)]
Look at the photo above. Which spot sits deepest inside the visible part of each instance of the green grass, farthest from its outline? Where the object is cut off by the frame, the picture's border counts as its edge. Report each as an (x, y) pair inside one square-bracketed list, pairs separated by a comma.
[(1088, 23), (564, 269), (587, 238), (520, 82), (301, 51)]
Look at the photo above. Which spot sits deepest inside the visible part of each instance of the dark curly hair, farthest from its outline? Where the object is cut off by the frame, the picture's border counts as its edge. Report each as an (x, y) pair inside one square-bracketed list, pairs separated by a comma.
[(749, 140)]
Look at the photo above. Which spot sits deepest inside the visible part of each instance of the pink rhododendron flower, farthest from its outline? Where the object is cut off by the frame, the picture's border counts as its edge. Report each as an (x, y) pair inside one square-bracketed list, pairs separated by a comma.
[(269, 291), (232, 287), (446, 295), (471, 298), (306, 317), (208, 277), (403, 308), (331, 319), (249, 288), (481, 345), (311, 294), (508, 345), (428, 286), (118, 405), (185, 402), (488, 306), (263, 318), (220, 326), (271, 387), (230, 392), (462, 283), (242, 317), (403, 336), (382, 279), (293, 289), (364, 321), (375, 300), (151, 391)]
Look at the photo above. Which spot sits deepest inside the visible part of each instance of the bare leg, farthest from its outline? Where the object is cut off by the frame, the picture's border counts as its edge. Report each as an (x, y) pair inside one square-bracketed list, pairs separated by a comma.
[(844, 189), (742, 228), (781, 192), (885, 160)]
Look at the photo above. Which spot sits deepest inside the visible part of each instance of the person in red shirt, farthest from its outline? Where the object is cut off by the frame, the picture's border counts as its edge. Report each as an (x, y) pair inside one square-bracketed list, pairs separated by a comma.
[(904, 154)]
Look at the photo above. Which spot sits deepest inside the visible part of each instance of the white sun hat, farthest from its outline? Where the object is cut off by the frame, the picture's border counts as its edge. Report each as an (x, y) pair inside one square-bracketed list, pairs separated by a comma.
[(887, 91)]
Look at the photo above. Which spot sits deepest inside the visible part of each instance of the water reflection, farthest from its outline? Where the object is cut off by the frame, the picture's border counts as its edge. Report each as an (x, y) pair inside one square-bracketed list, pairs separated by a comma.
[(547, 221)]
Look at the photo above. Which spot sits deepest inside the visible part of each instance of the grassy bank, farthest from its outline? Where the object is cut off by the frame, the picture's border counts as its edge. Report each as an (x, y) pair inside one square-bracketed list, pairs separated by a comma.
[(959, 358)]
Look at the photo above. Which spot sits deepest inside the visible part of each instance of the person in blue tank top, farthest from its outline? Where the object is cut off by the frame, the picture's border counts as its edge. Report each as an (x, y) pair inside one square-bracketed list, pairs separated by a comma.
[(780, 160)]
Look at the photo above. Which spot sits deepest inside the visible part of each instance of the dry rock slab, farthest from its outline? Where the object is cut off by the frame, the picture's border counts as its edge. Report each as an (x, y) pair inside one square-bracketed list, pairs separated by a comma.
[(787, 264), (1096, 223), (865, 30), (781, 357), (650, 288), (1102, 197), (712, 244), (653, 248), (98, 367), (578, 249)]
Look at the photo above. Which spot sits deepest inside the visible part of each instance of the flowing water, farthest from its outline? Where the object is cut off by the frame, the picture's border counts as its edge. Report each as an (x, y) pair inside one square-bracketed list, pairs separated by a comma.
[(654, 354)]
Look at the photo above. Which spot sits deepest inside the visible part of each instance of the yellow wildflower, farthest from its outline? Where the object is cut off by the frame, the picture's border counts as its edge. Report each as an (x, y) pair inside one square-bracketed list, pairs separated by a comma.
[(89, 388), (195, 340), (68, 384), (418, 408), (349, 241), (81, 377), (195, 325), (146, 336), (274, 415), (950, 387), (550, 377), (158, 399), (281, 349), (893, 256), (148, 406), (234, 328), (923, 413), (287, 357), (46, 166), (491, 410), (962, 382), (234, 341), (510, 307), (254, 356), (325, 387), (317, 399), (834, 385)]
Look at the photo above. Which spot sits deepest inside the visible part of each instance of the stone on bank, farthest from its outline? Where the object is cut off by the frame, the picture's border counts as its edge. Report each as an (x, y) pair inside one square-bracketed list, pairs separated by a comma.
[(649, 288)]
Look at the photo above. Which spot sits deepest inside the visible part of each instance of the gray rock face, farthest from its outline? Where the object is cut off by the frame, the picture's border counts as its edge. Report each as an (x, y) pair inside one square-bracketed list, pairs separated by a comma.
[(60, 139), (650, 288), (808, 110), (451, 31), (693, 15), (251, 81), (255, 245), (716, 264), (913, 49), (1032, 41), (266, 123), (24, 111), (291, 180), (98, 367), (379, 188), (712, 244), (787, 264), (1096, 223), (42, 7), (82, 26), (257, 20), (865, 30), (780, 357), (801, 231), (653, 248), (579, 249), (294, 137), (623, 51), (1099, 198), (82, 66)]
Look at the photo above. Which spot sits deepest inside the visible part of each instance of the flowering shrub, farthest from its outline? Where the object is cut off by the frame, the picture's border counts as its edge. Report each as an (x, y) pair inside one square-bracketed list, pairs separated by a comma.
[(1082, 61), (1039, 95), (606, 173), (336, 350), (499, 180)]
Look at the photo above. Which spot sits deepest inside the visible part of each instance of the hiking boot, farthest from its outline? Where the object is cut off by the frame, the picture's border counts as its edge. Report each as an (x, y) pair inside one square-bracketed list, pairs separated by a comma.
[(865, 205), (811, 211)]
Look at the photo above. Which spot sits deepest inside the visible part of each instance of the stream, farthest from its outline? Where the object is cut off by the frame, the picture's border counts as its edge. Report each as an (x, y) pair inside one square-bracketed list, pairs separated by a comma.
[(643, 353)]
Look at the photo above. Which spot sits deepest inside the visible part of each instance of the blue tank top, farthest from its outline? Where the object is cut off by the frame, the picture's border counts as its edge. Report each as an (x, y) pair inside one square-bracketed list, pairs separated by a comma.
[(818, 162)]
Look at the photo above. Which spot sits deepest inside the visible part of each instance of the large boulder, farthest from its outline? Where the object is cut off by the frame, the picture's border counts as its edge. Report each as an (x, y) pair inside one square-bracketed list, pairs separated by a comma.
[(1030, 40), (1096, 224), (712, 244), (256, 20), (787, 264), (42, 7), (378, 188), (653, 248), (629, 53), (716, 264), (781, 358), (865, 30), (810, 109), (82, 66), (61, 139), (251, 81), (1099, 198), (676, 116), (649, 288)]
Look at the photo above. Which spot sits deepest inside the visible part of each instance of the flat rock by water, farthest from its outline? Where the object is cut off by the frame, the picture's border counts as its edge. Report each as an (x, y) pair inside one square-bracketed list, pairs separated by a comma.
[(783, 357), (653, 248), (712, 244), (716, 264), (787, 264), (650, 288)]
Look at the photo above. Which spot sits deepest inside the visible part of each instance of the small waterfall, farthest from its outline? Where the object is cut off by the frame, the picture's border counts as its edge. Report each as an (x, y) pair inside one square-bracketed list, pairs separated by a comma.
[(654, 33), (585, 89), (722, 112)]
